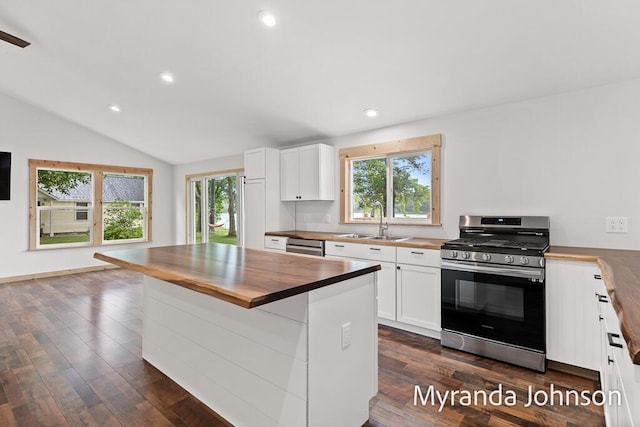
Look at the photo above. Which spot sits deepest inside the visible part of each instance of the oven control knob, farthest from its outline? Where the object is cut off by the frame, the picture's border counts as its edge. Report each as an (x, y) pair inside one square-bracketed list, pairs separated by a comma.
[(508, 259), (454, 254), (466, 255), (486, 257), (524, 260)]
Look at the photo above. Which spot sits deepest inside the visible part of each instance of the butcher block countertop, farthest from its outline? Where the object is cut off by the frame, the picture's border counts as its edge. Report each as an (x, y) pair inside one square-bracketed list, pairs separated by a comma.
[(621, 274), (245, 277), (411, 242)]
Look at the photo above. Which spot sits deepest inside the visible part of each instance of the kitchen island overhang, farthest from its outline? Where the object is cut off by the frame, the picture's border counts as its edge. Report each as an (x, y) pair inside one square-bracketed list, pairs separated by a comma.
[(286, 340)]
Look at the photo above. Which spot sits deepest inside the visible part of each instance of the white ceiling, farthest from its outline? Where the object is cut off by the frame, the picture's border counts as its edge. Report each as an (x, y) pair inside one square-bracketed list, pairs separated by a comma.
[(241, 85)]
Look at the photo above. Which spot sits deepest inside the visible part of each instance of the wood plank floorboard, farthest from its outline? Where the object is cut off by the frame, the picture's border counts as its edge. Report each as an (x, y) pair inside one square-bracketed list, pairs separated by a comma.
[(70, 355)]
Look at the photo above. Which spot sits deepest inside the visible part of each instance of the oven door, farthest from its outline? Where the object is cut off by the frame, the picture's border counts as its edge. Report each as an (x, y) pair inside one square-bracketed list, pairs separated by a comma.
[(499, 303)]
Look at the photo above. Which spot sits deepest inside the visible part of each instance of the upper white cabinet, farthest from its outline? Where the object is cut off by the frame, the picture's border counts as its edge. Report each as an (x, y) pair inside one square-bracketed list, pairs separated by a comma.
[(307, 173), (572, 317), (255, 163)]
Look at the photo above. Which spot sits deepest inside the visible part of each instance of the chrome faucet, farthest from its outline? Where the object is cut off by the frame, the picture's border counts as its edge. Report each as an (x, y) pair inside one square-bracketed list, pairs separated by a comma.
[(382, 227)]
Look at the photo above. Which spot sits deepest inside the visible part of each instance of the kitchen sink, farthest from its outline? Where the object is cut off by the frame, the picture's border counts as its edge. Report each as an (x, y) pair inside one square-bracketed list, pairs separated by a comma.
[(388, 238), (373, 237)]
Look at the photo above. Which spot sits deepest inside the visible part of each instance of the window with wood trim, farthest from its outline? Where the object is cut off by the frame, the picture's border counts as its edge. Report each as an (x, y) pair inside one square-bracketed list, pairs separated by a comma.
[(404, 176), (80, 204)]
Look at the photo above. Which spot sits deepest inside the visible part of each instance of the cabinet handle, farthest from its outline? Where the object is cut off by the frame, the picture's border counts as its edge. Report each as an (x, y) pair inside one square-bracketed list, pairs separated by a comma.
[(398, 268), (597, 277), (275, 240), (610, 337), (609, 360), (374, 249), (417, 253), (338, 246), (602, 298), (600, 318)]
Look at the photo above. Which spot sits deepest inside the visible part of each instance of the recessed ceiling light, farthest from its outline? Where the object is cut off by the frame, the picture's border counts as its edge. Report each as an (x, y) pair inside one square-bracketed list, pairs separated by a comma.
[(115, 108), (267, 18), (370, 112), (167, 78)]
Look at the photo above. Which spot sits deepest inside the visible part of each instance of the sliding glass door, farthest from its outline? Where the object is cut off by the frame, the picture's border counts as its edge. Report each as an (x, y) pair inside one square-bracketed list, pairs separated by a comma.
[(214, 209)]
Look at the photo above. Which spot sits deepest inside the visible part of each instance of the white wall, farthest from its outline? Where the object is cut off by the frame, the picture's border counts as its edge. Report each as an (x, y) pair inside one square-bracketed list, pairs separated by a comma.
[(574, 157), (28, 132), (179, 187)]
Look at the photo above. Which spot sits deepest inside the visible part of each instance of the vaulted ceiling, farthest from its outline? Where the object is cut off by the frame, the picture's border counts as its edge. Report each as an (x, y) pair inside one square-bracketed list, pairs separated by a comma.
[(239, 84)]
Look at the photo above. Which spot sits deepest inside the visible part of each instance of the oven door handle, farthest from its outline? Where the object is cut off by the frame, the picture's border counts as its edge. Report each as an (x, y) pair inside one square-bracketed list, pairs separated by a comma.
[(500, 271)]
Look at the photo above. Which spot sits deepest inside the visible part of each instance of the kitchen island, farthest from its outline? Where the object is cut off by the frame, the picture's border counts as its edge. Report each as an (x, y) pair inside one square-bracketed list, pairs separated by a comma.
[(262, 338)]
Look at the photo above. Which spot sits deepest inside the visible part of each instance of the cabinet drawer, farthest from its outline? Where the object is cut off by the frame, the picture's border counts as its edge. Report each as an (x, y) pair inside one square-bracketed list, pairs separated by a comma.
[(418, 256), (362, 251), (275, 242)]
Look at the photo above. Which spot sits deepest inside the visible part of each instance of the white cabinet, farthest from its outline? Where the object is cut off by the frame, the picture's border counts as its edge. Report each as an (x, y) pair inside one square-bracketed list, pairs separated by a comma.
[(277, 243), (571, 316), (418, 288), (262, 209), (619, 377), (255, 213), (408, 284), (307, 173), (255, 163), (386, 257), (387, 291)]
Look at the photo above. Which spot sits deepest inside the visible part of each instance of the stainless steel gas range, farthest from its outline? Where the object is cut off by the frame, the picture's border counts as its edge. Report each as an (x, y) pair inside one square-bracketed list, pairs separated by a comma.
[(493, 280)]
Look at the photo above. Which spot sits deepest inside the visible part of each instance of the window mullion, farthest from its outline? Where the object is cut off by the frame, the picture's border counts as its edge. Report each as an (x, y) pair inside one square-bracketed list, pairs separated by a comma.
[(97, 238), (204, 209), (389, 205)]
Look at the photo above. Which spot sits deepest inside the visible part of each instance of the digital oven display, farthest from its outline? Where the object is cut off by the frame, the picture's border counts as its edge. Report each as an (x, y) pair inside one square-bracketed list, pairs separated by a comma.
[(494, 220)]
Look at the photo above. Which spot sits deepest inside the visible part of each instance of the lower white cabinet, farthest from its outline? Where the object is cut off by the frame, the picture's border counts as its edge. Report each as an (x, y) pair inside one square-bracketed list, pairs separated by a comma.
[(276, 243), (619, 377), (583, 330), (571, 317), (408, 284), (418, 296), (386, 257), (387, 291)]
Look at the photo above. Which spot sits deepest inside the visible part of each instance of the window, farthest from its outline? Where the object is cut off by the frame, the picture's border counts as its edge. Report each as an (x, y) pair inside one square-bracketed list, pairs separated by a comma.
[(75, 204), (213, 206), (82, 214), (404, 176)]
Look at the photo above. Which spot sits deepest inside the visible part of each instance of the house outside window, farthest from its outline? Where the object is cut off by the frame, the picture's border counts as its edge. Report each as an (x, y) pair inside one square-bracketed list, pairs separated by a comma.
[(404, 176), (64, 197)]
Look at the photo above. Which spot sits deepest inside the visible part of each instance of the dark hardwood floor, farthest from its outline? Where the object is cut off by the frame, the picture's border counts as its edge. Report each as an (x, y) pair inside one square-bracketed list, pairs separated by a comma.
[(70, 354)]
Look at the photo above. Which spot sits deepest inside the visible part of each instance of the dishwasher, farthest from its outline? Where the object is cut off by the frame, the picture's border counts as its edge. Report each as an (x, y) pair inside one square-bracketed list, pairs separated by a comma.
[(305, 246)]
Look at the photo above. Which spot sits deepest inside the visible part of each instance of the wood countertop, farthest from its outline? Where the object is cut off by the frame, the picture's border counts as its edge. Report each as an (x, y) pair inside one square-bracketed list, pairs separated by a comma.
[(621, 275), (245, 277), (411, 242)]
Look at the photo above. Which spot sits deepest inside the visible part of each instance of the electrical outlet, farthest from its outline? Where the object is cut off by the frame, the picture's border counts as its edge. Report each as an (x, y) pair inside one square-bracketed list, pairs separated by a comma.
[(616, 224), (346, 335), (307, 218)]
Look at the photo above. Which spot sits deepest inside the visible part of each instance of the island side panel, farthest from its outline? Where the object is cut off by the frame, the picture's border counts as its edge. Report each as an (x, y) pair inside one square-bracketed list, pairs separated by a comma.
[(343, 380), (249, 365)]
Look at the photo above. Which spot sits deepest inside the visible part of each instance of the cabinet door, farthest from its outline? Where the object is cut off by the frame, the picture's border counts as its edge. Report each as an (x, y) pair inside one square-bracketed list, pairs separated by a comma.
[(387, 291), (309, 172), (254, 217), (289, 180), (571, 315), (418, 296), (254, 163)]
